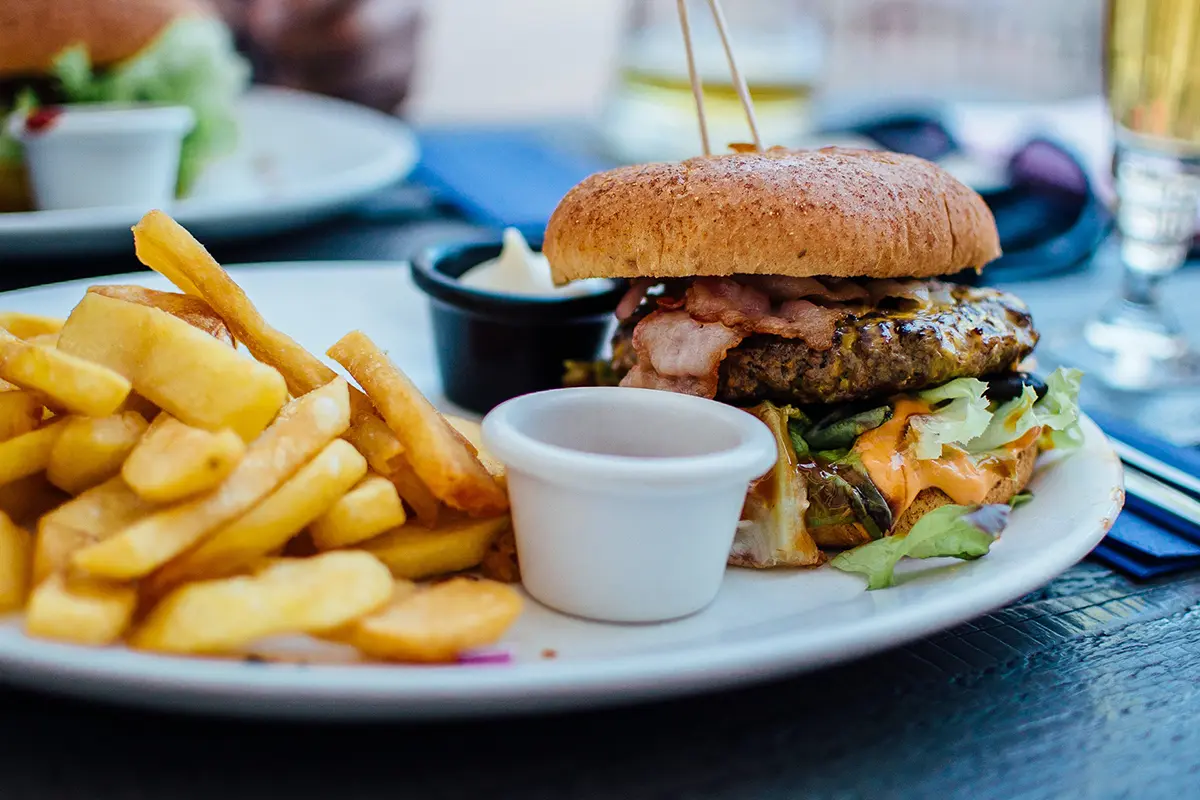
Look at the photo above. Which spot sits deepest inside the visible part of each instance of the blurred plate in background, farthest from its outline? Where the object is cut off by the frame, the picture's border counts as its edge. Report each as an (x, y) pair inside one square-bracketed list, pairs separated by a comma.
[(301, 158)]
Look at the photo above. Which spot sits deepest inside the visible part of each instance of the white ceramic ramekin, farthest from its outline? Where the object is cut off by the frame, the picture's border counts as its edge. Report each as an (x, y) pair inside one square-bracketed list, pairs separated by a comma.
[(625, 501), (85, 155)]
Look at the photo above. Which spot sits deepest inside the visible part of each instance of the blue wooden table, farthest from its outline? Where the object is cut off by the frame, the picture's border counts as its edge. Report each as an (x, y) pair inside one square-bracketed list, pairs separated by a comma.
[(1087, 688)]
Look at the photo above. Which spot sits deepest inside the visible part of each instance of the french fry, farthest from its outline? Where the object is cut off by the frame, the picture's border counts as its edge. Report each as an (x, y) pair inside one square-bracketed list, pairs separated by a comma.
[(91, 517), (412, 491), (20, 412), (45, 339), (29, 453), (29, 326), (301, 431), (16, 558), (79, 611), (65, 381), (192, 310), (288, 596), (435, 624), (167, 248), (433, 448), (90, 450), (414, 552), (365, 511), (269, 525), (174, 461), (472, 432), (180, 369), (27, 499)]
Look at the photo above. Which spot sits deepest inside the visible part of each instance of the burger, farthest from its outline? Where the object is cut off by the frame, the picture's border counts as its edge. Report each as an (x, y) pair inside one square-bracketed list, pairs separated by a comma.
[(55, 52), (810, 288)]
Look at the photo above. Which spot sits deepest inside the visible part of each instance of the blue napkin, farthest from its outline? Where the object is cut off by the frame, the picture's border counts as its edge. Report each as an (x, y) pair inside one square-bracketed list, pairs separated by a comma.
[(1146, 541)]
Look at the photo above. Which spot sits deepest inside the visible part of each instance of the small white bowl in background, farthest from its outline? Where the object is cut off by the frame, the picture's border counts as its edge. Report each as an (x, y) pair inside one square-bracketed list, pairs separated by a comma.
[(91, 155), (625, 502)]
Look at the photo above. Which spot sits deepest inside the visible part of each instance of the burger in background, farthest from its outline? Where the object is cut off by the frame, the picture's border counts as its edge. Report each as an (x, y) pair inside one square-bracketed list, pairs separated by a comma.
[(176, 52), (805, 287)]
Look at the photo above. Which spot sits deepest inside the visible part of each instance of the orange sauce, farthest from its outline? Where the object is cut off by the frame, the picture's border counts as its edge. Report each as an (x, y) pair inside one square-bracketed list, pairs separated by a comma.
[(900, 476)]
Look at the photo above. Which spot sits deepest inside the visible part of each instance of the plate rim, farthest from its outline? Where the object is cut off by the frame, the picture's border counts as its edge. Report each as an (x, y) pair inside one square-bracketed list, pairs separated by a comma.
[(396, 692)]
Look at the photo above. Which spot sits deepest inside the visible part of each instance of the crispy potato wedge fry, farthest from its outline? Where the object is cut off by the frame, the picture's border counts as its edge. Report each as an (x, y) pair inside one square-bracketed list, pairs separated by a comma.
[(174, 461), (167, 248), (180, 369), (29, 453), (79, 611), (91, 450), (27, 499), (63, 380), (16, 561), (20, 412), (45, 339), (192, 310), (412, 491), (29, 326), (289, 596), (301, 431), (435, 624), (365, 511), (414, 552), (91, 517), (472, 432), (269, 525), (432, 446)]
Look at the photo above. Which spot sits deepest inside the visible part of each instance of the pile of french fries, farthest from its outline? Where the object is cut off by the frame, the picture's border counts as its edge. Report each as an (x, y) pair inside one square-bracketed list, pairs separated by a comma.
[(178, 475)]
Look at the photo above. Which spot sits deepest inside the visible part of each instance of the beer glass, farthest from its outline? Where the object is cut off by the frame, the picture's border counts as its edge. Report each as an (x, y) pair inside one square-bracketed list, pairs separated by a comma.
[(1153, 85)]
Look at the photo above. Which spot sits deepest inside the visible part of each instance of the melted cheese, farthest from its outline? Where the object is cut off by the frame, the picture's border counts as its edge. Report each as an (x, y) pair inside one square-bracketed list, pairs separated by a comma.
[(901, 476)]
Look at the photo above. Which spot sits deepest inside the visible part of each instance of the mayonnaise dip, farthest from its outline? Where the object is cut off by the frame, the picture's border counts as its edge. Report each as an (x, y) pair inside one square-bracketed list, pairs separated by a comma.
[(519, 270)]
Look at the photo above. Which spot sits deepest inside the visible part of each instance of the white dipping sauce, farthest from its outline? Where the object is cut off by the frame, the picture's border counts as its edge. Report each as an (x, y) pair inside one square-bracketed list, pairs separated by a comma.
[(519, 270)]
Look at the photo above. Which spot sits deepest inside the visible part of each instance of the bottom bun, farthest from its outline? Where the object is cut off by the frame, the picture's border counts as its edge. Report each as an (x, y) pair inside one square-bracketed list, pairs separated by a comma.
[(14, 187), (1002, 492)]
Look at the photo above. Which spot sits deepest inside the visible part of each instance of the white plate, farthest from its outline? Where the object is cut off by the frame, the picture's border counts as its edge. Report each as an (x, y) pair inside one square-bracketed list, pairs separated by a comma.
[(300, 158), (763, 624)]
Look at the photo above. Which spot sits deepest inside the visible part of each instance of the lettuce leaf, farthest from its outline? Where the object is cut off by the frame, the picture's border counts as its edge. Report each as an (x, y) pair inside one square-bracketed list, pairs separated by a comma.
[(1009, 422), (964, 532), (960, 414), (192, 63), (967, 420), (1058, 411)]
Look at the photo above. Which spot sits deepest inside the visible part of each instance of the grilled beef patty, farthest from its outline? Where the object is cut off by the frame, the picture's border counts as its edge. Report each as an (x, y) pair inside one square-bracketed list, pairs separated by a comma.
[(876, 352)]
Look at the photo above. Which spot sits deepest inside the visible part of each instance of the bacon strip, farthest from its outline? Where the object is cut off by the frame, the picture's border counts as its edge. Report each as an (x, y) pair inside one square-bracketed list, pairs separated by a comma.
[(678, 353), (633, 298), (748, 310)]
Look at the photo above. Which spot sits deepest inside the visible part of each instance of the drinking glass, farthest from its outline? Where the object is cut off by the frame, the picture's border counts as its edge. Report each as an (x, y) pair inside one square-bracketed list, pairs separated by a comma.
[(1153, 85), (651, 113)]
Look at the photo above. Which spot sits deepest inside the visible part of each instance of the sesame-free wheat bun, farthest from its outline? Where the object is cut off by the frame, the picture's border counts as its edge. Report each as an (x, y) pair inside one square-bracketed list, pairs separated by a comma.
[(831, 212)]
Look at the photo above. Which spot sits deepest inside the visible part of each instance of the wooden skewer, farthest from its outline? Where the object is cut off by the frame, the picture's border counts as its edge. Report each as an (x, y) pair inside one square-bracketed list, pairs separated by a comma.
[(738, 81), (697, 88)]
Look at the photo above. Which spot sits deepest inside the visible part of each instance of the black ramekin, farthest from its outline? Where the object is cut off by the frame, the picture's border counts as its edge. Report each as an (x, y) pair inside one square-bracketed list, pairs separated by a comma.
[(492, 347)]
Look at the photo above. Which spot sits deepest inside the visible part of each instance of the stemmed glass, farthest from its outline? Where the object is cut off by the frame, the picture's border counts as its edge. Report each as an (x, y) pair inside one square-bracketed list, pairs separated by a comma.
[(1153, 84)]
